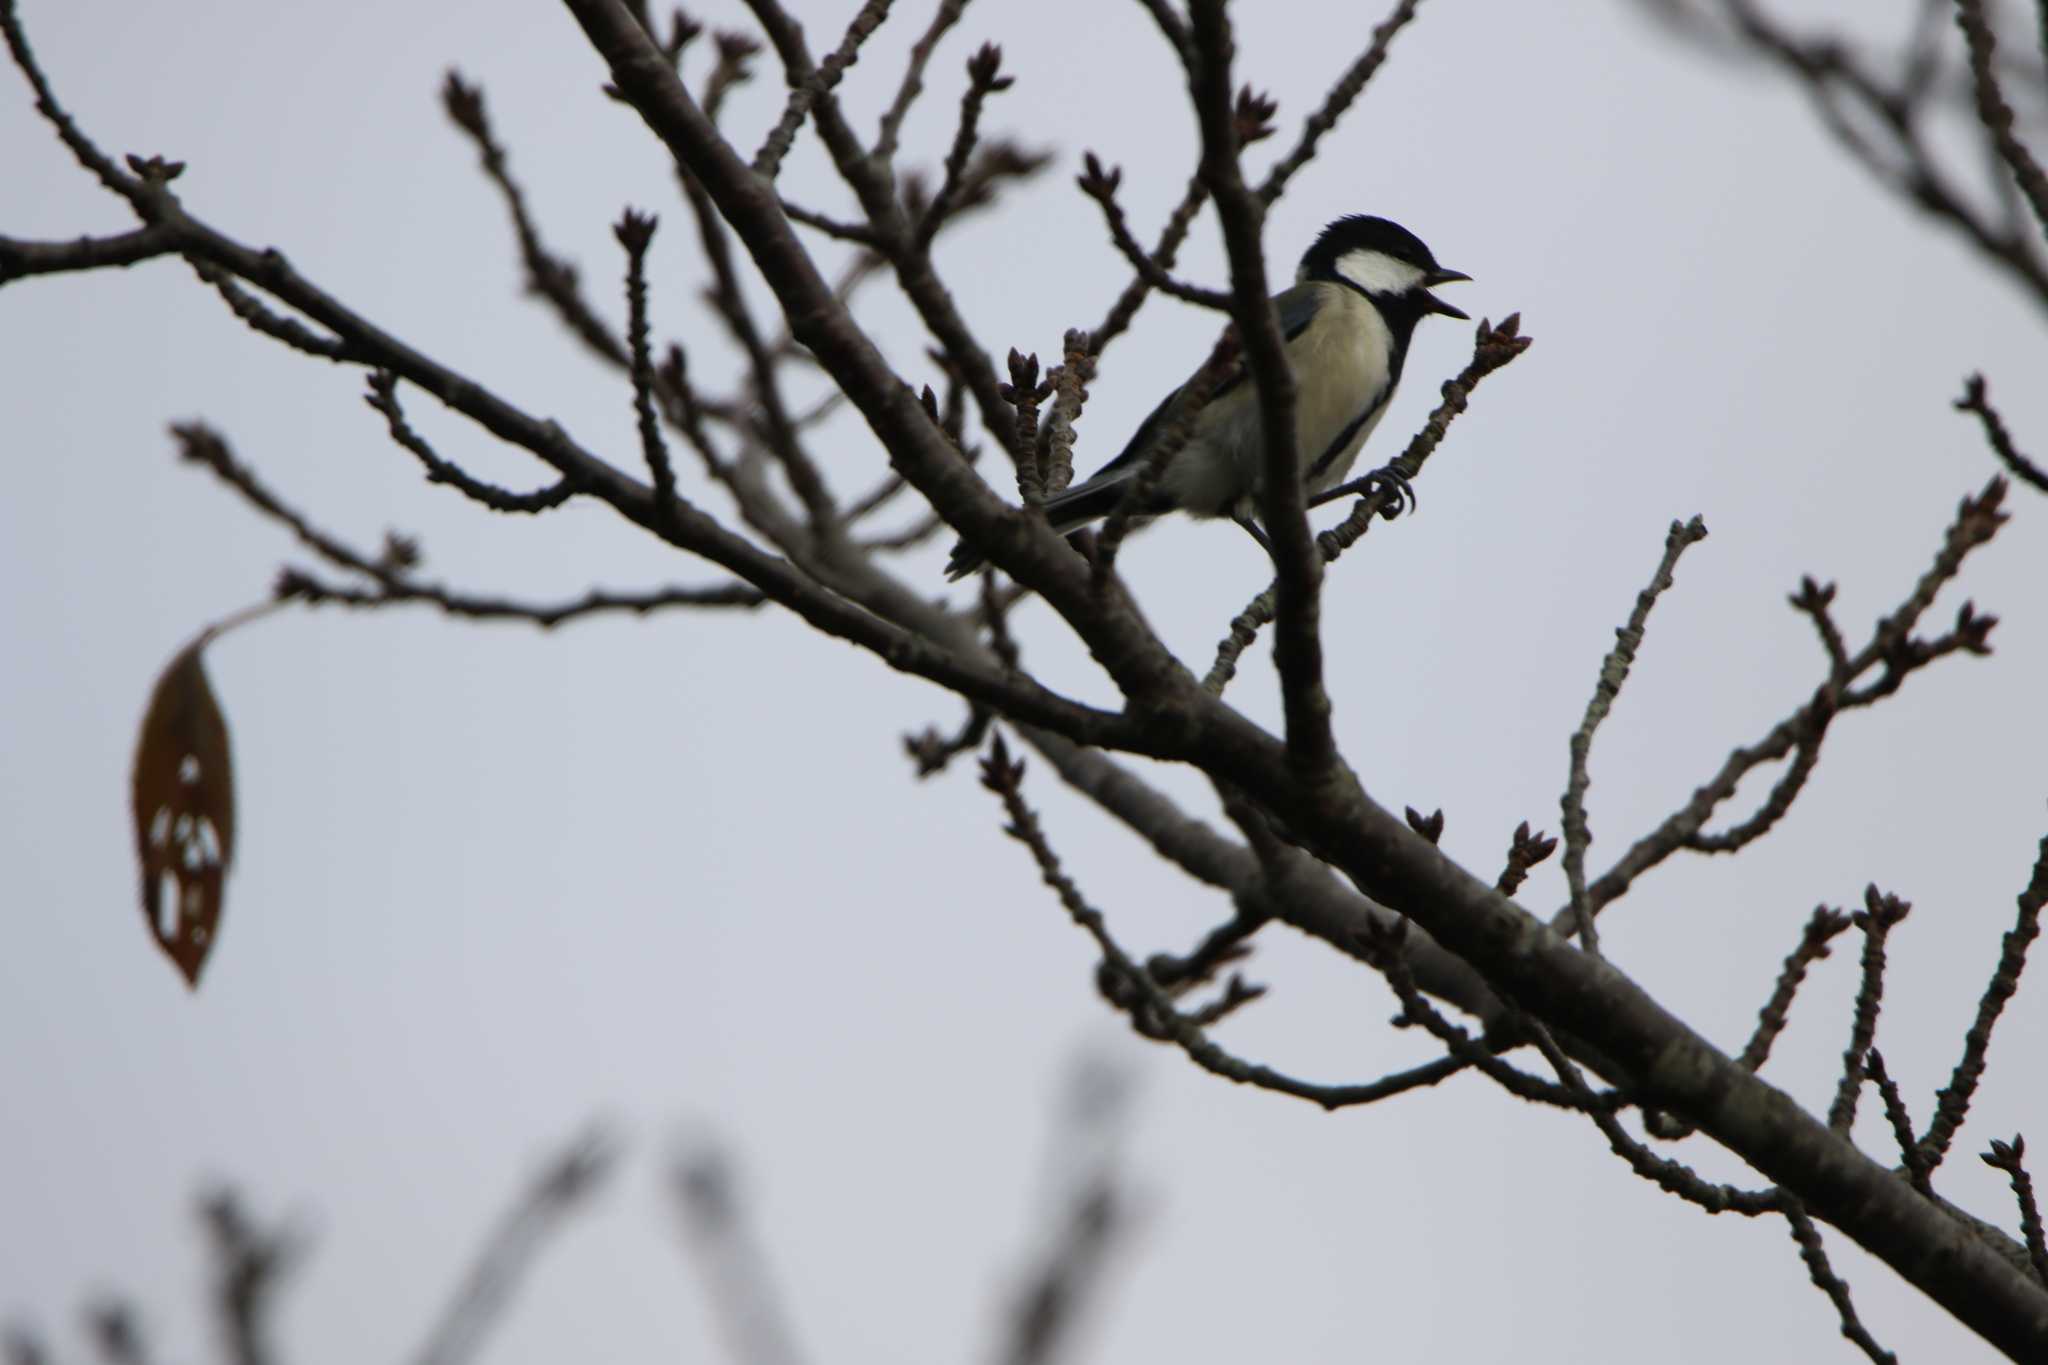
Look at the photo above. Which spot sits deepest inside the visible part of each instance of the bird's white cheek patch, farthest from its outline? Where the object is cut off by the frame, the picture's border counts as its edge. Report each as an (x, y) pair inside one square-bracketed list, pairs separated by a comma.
[(1378, 273)]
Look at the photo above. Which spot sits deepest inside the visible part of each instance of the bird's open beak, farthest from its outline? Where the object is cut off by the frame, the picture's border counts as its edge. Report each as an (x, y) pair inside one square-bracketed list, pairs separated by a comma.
[(1437, 305)]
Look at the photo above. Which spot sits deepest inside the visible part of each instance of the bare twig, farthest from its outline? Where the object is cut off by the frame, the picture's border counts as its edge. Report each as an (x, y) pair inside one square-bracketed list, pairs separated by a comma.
[(1824, 1279), (560, 1189), (1340, 98), (1382, 947), (1880, 912), (1152, 1010), (1086, 1219), (1100, 184), (262, 318), (1976, 398), (2010, 1157), (1672, 1177), (1995, 112), (1161, 257), (809, 88), (984, 79), (743, 1292), (1882, 125), (891, 131), (1954, 1101), (1896, 1115), (383, 397), (298, 585), (248, 1262), (1055, 454), (115, 1333), (1525, 851), (1813, 946), (549, 276), (635, 231), (1613, 673), (20, 258)]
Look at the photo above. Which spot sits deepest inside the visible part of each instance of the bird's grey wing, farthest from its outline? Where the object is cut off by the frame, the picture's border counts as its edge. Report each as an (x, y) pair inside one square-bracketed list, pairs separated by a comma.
[(1297, 308)]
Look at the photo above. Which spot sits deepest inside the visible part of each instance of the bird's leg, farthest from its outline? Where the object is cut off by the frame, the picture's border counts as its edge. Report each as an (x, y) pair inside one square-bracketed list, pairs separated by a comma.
[(1386, 477), (1252, 529)]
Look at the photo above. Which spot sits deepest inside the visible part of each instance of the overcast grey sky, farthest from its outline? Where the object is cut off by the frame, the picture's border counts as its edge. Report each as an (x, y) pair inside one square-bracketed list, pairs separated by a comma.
[(676, 874)]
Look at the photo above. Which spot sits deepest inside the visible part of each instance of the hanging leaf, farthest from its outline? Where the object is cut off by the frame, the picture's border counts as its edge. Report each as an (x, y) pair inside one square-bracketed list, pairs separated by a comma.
[(184, 792)]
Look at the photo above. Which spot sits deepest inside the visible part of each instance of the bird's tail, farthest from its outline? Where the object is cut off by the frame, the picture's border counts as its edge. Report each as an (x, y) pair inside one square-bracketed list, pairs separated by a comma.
[(1088, 501)]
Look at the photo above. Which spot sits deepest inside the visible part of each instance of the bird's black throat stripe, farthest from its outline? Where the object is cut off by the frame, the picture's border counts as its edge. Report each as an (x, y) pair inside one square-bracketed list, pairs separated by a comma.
[(1336, 448)]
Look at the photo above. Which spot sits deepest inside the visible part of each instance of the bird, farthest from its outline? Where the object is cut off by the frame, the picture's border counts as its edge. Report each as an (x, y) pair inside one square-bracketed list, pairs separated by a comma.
[(1360, 289)]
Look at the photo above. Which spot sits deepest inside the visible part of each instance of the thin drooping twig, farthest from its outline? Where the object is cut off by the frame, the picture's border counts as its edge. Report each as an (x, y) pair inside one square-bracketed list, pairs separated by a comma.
[(1161, 257), (1901, 1121), (383, 397), (1613, 673), (299, 586), (1880, 912), (262, 318), (1673, 1177), (1100, 184), (1976, 398), (2010, 1157), (1153, 1010), (635, 232), (1827, 1282), (1318, 905), (807, 91), (1813, 946), (1954, 1101), (562, 1187), (1382, 950), (1492, 348)]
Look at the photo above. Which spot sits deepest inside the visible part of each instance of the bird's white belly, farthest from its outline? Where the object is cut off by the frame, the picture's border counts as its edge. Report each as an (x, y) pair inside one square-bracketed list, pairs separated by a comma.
[(1340, 366)]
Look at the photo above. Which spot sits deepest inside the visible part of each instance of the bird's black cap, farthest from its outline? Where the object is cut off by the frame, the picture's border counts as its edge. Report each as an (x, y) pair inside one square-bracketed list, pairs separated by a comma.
[(1363, 232)]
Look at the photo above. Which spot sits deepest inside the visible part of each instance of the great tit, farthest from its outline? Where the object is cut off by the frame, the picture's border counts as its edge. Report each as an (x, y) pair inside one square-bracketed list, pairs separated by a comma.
[(1356, 298)]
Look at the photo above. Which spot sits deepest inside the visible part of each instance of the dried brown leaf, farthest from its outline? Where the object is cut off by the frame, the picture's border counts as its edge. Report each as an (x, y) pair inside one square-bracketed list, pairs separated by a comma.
[(184, 806)]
